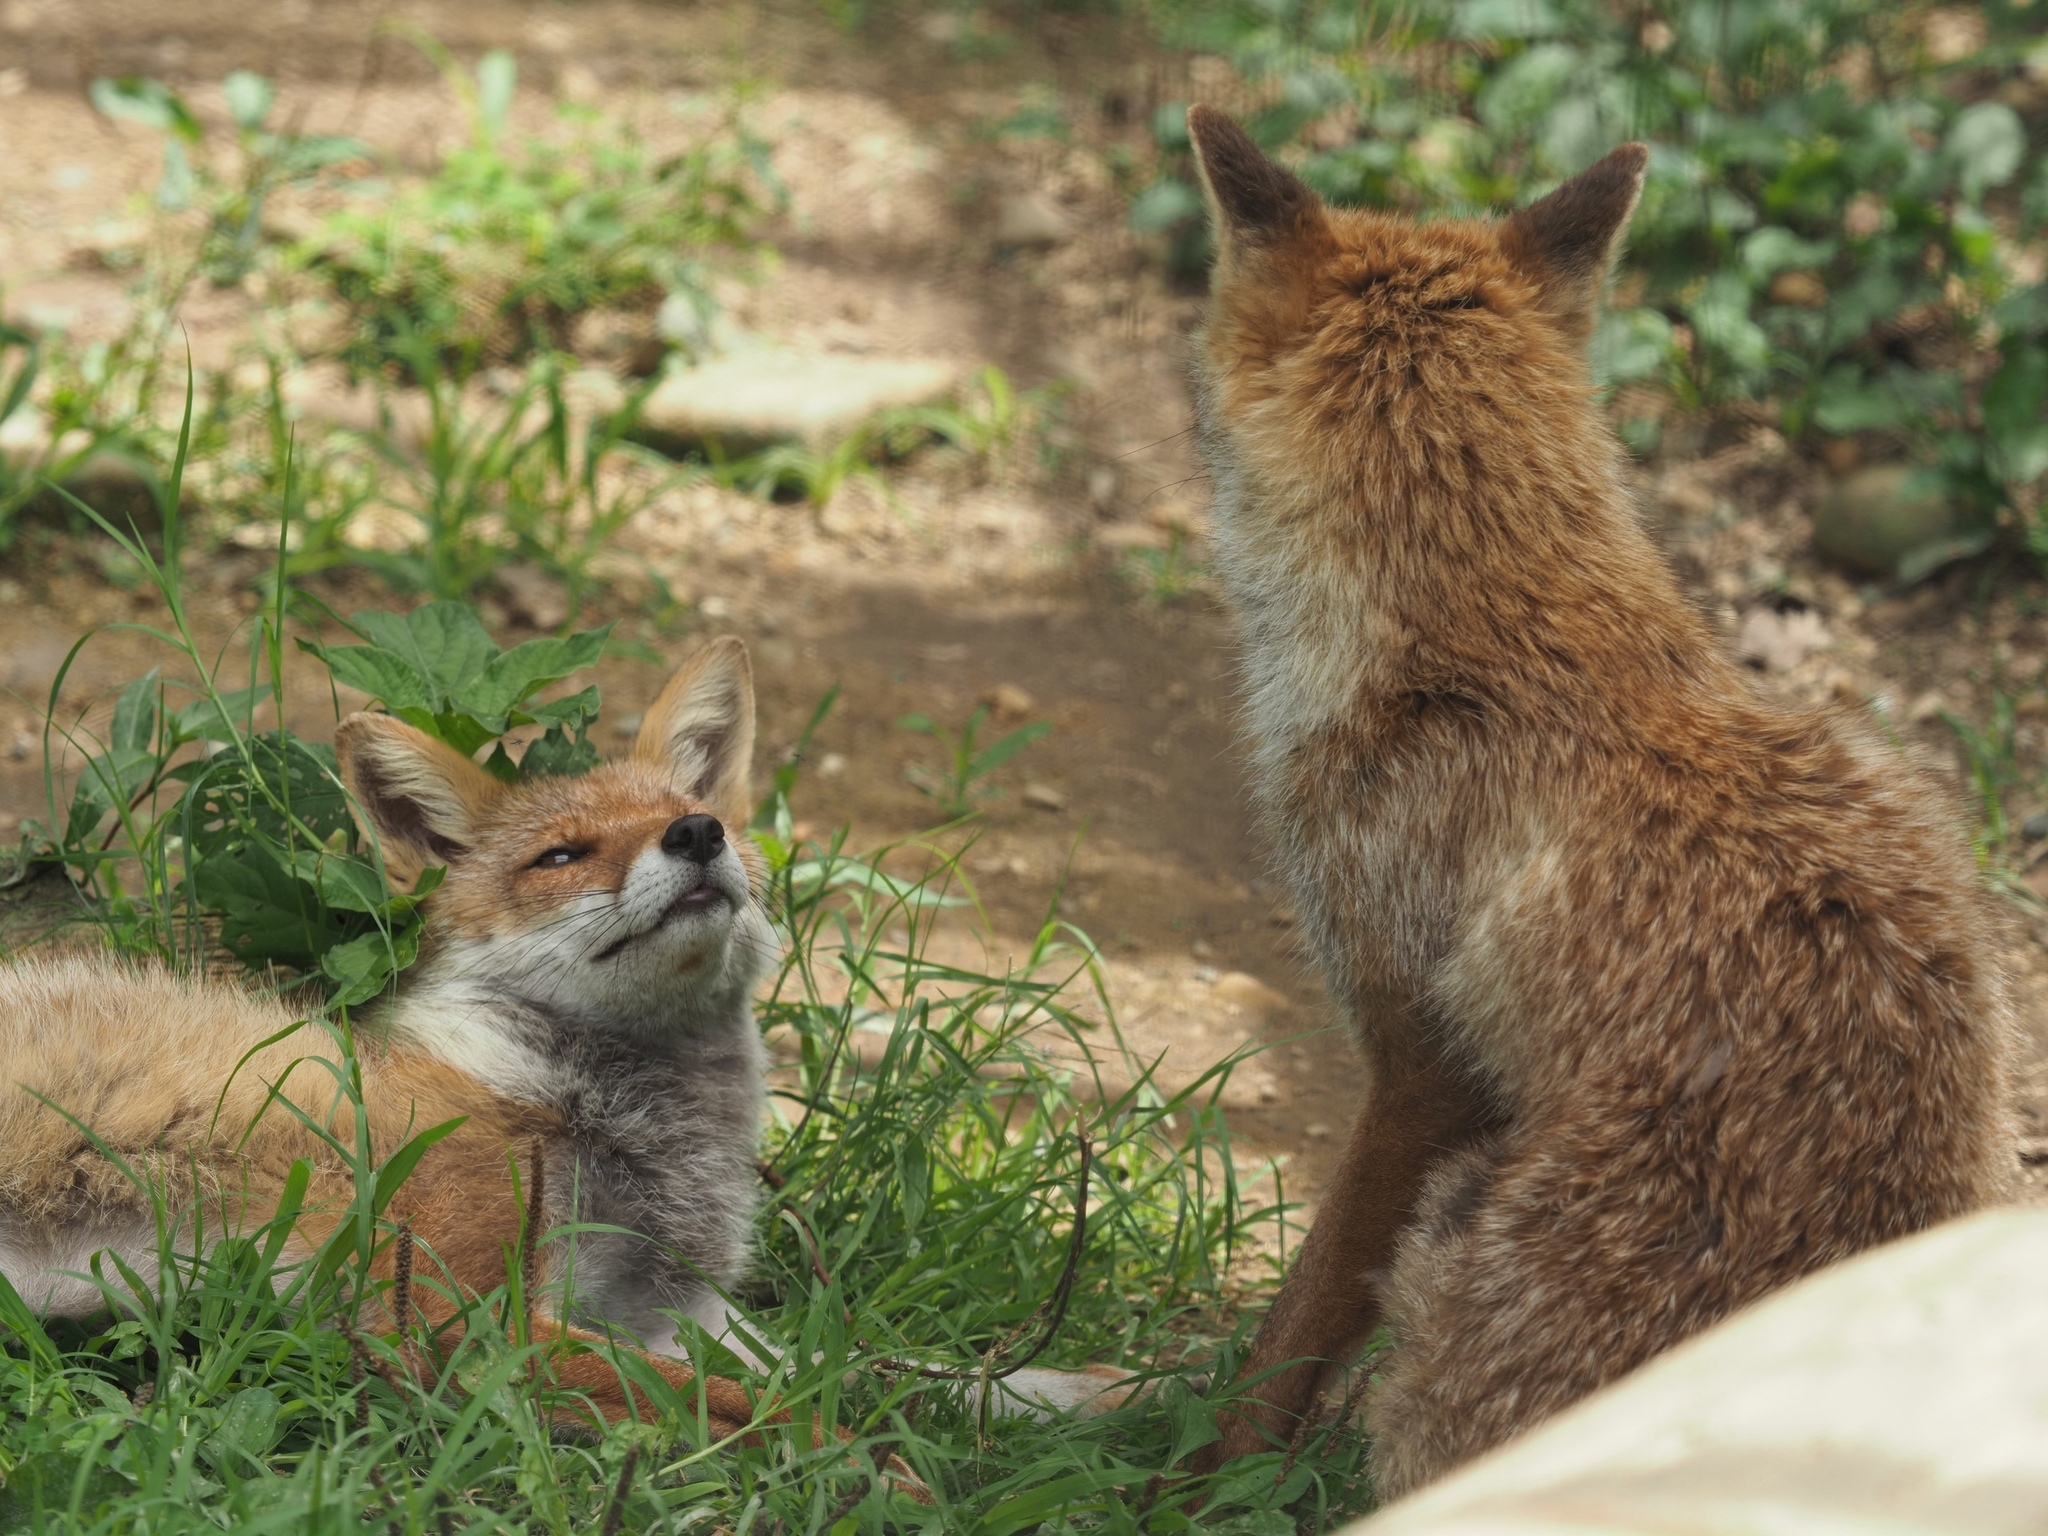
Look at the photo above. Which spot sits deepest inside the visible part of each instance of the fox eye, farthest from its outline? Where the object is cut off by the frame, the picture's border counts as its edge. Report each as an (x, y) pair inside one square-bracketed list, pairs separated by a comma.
[(555, 858)]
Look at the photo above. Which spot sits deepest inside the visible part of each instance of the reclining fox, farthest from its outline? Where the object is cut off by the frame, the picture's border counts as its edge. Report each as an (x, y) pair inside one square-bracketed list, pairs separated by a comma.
[(1667, 994), (585, 989)]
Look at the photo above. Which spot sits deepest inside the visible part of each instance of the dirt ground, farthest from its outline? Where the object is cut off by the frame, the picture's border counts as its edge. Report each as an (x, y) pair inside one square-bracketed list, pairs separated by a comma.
[(950, 591)]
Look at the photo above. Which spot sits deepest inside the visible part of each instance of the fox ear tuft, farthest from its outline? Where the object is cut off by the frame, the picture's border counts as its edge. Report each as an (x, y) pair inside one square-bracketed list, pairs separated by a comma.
[(701, 729), (1253, 200), (1569, 239), (421, 798)]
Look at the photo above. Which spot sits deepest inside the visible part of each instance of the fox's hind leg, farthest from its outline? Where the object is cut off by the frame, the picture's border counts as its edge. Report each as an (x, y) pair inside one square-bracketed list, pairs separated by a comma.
[(1419, 1110), (1528, 1279)]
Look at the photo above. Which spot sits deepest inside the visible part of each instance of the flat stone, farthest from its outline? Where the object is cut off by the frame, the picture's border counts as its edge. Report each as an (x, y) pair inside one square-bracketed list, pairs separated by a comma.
[(1032, 219), (1890, 521), (751, 398), (1043, 797), (1249, 993)]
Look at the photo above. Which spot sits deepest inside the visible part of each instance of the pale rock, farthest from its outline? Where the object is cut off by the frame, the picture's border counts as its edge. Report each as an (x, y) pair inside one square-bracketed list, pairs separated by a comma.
[(263, 536), (755, 396), (1897, 1391), (1032, 219), (1249, 993), (1043, 797), (1008, 702), (379, 526)]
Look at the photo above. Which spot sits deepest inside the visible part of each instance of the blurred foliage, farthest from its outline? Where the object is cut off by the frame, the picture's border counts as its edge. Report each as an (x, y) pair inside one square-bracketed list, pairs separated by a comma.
[(495, 254), (1840, 203)]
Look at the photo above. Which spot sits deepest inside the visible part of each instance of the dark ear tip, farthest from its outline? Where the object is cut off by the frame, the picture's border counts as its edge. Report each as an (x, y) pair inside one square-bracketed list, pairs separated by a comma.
[(1635, 157)]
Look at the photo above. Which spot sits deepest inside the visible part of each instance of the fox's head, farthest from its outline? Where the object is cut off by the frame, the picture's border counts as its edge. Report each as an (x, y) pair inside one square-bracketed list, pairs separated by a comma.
[(627, 896), (1431, 374)]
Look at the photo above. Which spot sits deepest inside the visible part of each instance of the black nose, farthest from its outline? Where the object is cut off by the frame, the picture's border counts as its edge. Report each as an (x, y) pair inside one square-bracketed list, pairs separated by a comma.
[(694, 837)]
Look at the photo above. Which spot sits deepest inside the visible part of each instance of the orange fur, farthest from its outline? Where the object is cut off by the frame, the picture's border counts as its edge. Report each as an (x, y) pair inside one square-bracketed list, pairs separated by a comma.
[(1667, 994)]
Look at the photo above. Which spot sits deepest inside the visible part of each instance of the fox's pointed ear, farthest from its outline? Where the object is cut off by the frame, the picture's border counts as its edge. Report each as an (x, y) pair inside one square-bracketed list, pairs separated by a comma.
[(1568, 240), (423, 800), (700, 730), (1253, 201)]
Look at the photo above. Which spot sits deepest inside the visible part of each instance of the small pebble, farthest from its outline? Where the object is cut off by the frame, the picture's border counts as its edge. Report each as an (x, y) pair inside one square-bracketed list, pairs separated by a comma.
[(832, 764), (1009, 702), (2035, 827), (1043, 797), (627, 726)]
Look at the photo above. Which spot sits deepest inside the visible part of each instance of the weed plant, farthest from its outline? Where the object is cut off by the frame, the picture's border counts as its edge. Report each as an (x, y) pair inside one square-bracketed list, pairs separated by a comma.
[(962, 780), (962, 1173), (496, 252)]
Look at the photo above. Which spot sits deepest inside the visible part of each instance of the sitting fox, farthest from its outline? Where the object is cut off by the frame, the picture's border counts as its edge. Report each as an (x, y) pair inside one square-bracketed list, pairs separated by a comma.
[(585, 989), (1667, 994)]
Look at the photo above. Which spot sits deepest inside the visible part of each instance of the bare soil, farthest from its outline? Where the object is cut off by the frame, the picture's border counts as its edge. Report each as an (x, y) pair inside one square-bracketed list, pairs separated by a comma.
[(956, 588)]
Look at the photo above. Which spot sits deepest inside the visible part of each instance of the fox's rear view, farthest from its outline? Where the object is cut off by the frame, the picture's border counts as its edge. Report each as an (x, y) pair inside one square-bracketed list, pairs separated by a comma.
[(1667, 994)]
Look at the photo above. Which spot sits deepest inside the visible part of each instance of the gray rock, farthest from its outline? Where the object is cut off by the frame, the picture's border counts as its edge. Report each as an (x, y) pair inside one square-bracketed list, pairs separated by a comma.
[(749, 399), (2035, 827), (1891, 520)]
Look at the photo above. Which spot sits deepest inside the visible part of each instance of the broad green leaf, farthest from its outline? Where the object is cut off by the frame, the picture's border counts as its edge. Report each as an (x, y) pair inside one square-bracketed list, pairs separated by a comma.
[(360, 968), (558, 755), (1987, 142), (443, 642), (2015, 406), (1847, 402), (1163, 206), (134, 724), (204, 720), (514, 675), (1773, 249), (1629, 344), (1720, 318), (382, 674), (249, 98), (267, 914), (572, 712), (138, 99), (1525, 90), (344, 882), (246, 1431)]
